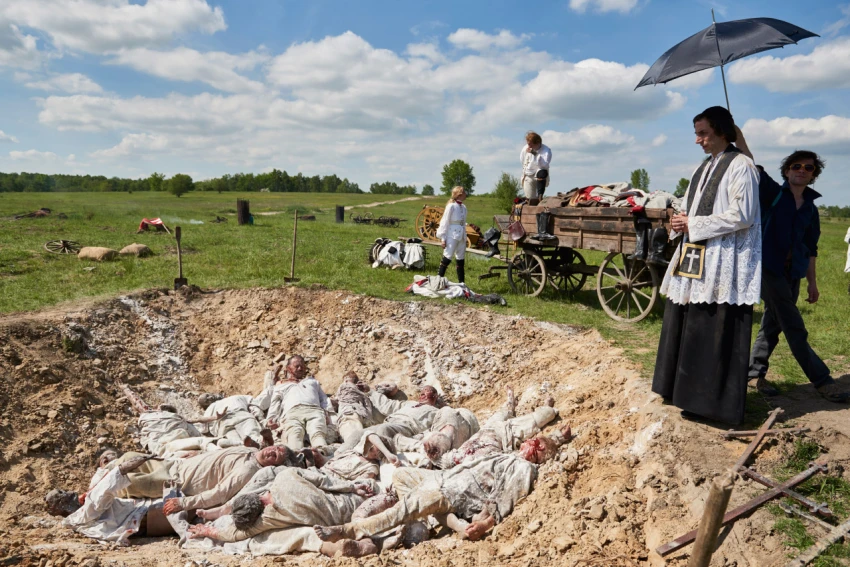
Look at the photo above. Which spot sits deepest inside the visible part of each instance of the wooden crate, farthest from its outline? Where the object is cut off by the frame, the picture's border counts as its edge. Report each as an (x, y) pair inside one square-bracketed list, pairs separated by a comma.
[(606, 229)]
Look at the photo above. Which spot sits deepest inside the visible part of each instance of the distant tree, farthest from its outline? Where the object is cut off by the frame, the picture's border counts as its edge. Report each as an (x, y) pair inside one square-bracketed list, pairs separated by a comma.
[(640, 179), (681, 187), (455, 173), (156, 181), (428, 190), (505, 191), (180, 184)]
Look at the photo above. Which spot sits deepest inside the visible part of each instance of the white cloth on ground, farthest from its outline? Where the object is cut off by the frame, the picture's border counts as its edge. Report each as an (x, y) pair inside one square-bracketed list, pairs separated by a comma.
[(390, 255), (414, 256), (436, 286), (732, 235), (106, 517)]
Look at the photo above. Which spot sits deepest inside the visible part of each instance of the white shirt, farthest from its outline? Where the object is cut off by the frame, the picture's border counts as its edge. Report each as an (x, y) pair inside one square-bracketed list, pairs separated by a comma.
[(532, 163), (453, 224), (287, 395), (847, 240), (732, 235)]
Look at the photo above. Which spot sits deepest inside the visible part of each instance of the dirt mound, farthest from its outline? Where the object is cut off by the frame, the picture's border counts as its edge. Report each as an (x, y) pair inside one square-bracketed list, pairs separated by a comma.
[(633, 478)]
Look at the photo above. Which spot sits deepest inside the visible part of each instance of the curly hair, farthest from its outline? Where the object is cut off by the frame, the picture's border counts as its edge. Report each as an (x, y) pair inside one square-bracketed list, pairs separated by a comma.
[(796, 157), (720, 120), (246, 510)]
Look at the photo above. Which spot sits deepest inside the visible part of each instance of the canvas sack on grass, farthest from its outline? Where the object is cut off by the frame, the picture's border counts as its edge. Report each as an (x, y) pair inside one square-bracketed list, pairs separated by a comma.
[(97, 253), (134, 249)]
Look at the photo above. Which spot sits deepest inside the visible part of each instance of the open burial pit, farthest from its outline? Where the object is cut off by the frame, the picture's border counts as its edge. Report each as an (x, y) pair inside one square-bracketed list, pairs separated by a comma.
[(634, 476)]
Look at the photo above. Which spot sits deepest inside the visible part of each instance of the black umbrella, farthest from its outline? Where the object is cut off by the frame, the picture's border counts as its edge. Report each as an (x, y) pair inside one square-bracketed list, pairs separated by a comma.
[(719, 45)]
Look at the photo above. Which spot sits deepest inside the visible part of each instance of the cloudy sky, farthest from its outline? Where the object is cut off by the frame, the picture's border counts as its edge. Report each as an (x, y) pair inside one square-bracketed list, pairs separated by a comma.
[(392, 90)]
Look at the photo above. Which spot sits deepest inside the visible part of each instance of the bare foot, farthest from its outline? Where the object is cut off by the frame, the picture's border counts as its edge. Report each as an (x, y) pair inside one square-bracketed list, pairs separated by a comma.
[(567, 432), (329, 533), (248, 442), (361, 548)]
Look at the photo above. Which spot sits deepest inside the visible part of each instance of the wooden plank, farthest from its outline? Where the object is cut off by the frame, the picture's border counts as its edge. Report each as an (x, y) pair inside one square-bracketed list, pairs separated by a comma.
[(595, 225)]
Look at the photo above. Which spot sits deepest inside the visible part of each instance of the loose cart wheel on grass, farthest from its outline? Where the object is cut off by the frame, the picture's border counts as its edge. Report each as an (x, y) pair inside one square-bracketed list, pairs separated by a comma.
[(527, 273), (62, 247), (627, 289), (428, 221), (562, 274)]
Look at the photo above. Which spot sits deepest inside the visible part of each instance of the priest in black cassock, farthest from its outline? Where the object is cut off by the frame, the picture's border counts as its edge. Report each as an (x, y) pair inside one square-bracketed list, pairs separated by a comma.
[(713, 280)]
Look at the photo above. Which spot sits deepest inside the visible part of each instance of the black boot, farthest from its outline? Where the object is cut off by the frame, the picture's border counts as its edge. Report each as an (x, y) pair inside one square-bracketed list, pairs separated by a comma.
[(642, 232), (543, 227), (444, 263), (657, 244), (460, 271), (491, 238), (494, 250)]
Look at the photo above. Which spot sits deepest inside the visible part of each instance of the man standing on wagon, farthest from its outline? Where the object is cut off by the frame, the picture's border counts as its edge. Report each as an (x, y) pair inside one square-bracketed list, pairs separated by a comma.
[(713, 281)]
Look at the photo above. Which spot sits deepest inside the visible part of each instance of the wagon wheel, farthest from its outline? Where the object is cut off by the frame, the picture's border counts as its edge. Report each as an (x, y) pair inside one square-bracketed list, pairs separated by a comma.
[(428, 222), (393, 222), (562, 274), (527, 273), (62, 247), (621, 285)]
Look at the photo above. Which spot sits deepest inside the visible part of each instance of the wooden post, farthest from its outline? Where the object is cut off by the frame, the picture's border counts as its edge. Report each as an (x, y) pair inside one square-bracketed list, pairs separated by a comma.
[(712, 520), (292, 277), (243, 212), (819, 547)]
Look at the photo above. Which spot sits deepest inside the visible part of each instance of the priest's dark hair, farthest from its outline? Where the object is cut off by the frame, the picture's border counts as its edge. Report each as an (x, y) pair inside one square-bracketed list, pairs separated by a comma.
[(720, 121), (801, 155)]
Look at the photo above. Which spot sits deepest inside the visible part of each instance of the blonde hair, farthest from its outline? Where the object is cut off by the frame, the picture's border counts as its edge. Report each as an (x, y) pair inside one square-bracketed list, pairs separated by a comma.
[(456, 192)]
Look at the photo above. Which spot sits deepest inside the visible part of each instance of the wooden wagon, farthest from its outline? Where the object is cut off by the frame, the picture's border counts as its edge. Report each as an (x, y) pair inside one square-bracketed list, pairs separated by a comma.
[(627, 289)]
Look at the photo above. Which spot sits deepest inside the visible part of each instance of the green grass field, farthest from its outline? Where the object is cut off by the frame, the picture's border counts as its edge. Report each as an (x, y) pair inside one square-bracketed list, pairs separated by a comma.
[(335, 255)]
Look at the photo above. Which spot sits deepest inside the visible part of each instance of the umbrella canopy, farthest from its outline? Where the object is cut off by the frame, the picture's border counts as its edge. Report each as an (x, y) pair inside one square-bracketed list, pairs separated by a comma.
[(720, 44)]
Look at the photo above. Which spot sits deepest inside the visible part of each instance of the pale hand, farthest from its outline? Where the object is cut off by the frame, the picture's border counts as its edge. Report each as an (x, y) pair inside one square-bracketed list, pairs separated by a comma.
[(171, 506), (202, 530), (679, 222), (363, 490), (476, 530), (814, 294), (202, 514), (272, 424)]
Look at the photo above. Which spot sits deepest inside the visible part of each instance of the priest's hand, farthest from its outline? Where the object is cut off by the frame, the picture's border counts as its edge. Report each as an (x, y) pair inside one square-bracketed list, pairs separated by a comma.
[(814, 294), (679, 223)]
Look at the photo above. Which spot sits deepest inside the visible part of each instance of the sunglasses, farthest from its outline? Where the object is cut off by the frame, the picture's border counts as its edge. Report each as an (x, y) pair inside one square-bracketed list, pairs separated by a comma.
[(798, 166)]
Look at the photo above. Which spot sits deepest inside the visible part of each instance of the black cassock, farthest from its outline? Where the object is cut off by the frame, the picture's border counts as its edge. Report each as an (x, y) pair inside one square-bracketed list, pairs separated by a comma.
[(703, 359)]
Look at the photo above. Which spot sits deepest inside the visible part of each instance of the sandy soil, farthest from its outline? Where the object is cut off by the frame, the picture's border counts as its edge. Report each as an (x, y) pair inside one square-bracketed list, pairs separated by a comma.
[(635, 476)]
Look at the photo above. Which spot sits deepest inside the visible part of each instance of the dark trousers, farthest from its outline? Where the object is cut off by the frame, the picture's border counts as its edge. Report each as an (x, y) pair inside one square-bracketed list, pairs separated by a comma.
[(782, 316)]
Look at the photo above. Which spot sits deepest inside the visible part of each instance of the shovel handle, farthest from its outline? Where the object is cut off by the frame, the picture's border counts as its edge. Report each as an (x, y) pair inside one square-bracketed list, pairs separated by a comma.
[(179, 252)]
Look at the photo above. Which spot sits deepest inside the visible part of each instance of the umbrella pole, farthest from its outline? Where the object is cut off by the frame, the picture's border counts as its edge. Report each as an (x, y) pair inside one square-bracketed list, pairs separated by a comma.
[(722, 74)]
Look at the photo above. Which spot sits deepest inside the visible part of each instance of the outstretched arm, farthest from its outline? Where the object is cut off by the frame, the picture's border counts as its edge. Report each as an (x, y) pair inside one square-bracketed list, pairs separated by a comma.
[(388, 455), (215, 513), (209, 418), (138, 404)]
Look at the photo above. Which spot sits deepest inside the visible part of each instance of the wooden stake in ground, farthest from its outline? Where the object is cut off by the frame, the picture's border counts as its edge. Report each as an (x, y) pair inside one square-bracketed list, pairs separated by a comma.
[(712, 519), (180, 281), (292, 277)]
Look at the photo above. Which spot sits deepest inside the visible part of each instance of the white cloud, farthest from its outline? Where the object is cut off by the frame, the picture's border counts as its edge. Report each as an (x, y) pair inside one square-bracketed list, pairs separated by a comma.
[(4, 137), (622, 6), (33, 155), (659, 140), (67, 82), (588, 90), (102, 26), (588, 139), (835, 27), (16, 48), (830, 133), (826, 67), (215, 68), (476, 40)]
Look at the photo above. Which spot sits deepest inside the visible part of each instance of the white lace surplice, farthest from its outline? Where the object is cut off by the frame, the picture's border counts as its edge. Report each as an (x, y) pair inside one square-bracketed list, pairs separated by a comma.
[(732, 272)]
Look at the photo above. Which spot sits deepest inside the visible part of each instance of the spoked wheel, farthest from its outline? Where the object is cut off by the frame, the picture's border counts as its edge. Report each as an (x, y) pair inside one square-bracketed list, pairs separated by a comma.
[(428, 222), (562, 275), (527, 273), (627, 289), (62, 247)]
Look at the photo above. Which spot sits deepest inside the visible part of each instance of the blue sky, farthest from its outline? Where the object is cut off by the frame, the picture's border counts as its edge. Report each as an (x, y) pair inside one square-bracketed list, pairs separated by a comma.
[(391, 90)]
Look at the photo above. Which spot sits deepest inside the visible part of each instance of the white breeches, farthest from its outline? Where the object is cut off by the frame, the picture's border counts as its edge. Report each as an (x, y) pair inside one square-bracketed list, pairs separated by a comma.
[(455, 247)]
